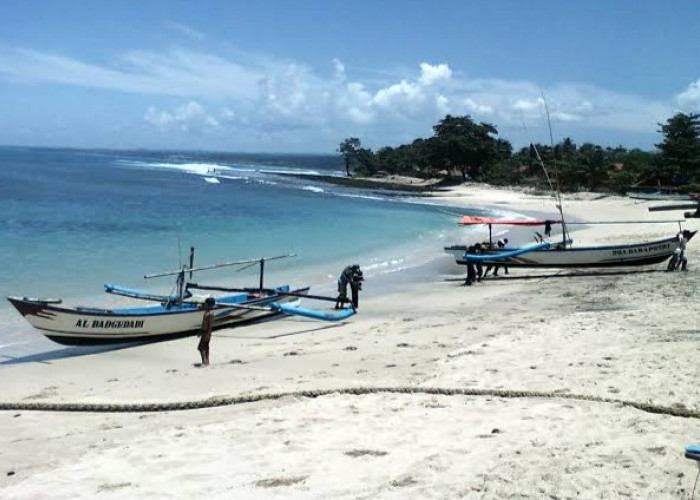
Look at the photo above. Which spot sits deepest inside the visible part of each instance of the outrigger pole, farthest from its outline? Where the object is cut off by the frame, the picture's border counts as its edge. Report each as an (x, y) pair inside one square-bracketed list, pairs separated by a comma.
[(181, 286), (271, 290), (216, 266)]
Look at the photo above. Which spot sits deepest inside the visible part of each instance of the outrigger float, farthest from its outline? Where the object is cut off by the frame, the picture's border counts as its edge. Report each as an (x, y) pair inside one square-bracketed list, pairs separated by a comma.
[(176, 315)]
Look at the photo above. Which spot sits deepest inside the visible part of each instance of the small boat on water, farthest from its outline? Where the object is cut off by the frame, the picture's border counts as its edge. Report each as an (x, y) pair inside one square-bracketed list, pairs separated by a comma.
[(174, 316)]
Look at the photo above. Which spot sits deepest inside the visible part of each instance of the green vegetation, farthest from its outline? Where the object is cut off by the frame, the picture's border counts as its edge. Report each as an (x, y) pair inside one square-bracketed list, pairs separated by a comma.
[(462, 149)]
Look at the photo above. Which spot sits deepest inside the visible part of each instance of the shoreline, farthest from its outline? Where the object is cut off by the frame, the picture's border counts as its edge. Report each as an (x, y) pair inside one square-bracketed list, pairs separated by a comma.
[(389, 182), (626, 336)]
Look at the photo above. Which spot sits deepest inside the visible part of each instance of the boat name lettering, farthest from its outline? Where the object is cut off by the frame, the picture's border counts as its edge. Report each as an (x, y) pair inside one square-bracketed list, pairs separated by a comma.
[(647, 249), (98, 323)]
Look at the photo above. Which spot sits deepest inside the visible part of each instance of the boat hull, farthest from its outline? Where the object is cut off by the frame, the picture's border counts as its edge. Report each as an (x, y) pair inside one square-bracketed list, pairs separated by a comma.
[(638, 254), (92, 326)]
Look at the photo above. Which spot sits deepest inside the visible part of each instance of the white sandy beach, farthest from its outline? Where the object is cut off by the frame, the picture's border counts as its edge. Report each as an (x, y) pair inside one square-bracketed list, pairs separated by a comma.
[(627, 336)]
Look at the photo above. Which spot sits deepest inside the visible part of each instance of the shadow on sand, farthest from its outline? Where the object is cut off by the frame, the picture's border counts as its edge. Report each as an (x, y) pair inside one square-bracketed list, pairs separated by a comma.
[(561, 274), (64, 352), (287, 334)]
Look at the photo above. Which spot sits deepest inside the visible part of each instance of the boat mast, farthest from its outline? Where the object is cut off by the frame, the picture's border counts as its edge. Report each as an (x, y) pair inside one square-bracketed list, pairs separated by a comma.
[(556, 172), (555, 190), (181, 285)]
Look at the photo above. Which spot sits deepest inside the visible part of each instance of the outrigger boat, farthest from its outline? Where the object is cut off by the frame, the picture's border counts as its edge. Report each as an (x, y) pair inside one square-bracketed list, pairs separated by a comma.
[(546, 254), (175, 316)]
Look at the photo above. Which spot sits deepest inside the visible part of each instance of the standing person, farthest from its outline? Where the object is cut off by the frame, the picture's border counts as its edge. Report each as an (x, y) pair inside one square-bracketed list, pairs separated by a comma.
[(501, 244), (678, 258), (479, 250), (356, 285), (471, 268), (488, 246), (548, 228), (205, 330)]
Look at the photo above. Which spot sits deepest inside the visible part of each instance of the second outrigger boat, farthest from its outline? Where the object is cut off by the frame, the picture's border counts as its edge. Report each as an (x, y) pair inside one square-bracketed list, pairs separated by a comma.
[(174, 316), (546, 254)]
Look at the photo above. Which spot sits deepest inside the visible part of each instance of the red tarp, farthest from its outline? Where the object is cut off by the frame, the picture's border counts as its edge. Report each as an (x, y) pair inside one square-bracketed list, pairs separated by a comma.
[(470, 220)]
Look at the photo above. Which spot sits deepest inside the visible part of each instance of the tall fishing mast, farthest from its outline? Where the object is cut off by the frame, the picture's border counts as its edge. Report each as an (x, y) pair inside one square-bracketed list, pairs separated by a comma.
[(554, 187)]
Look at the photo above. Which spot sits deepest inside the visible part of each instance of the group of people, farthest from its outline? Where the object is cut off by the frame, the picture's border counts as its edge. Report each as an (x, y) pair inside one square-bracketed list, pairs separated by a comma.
[(475, 269), (351, 275)]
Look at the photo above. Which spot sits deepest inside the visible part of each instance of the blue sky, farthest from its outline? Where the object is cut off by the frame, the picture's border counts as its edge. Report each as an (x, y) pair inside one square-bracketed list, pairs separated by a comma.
[(301, 76)]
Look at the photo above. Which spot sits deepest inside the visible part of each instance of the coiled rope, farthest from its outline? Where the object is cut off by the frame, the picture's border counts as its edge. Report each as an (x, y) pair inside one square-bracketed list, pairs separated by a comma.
[(675, 411)]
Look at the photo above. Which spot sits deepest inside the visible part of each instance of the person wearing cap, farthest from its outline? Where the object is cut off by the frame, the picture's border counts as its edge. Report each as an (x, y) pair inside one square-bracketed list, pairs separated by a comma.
[(205, 330)]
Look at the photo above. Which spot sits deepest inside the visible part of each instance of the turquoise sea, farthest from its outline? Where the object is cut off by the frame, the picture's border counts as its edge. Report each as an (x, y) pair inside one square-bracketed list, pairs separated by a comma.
[(75, 219)]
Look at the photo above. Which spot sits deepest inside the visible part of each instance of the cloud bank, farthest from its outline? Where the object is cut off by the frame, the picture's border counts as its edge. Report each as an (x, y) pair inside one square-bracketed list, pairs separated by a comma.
[(199, 93)]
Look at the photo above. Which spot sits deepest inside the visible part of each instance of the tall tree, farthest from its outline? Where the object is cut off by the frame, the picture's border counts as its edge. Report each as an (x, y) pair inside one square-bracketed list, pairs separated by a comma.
[(679, 161), (349, 149), (465, 144)]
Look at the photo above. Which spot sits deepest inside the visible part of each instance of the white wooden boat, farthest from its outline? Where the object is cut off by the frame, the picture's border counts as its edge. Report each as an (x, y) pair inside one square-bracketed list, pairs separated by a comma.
[(174, 316), (565, 255), (170, 319)]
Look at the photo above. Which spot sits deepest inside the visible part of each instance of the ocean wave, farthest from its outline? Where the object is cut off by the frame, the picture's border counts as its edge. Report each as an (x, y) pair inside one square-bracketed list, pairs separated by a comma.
[(313, 189), (290, 171), (193, 168), (363, 196)]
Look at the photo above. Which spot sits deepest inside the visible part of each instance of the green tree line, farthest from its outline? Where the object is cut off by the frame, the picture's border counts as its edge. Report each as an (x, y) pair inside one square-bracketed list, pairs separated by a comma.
[(461, 149)]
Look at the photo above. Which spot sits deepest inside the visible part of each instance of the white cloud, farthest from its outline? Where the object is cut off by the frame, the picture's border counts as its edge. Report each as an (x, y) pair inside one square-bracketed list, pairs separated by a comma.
[(430, 75), (473, 107), (565, 117), (273, 96), (528, 105), (689, 99), (186, 30), (339, 69), (189, 118)]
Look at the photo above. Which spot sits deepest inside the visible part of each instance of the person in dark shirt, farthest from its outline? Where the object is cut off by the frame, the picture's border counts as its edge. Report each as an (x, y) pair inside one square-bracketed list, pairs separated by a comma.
[(351, 275), (205, 330), (501, 244), (548, 228), (479, 250), (471, 267)]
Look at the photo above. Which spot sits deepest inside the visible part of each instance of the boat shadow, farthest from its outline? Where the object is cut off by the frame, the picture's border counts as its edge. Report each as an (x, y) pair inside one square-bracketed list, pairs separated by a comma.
[(286, 334), (561, 274), (65, 352)]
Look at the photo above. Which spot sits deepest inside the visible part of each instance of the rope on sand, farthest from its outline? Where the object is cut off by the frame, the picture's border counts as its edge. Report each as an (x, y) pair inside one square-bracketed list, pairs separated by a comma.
[(357, 391)]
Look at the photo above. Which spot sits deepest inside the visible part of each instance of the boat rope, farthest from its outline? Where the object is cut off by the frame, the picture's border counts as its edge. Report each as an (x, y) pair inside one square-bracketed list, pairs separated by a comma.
[(219, 401)]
